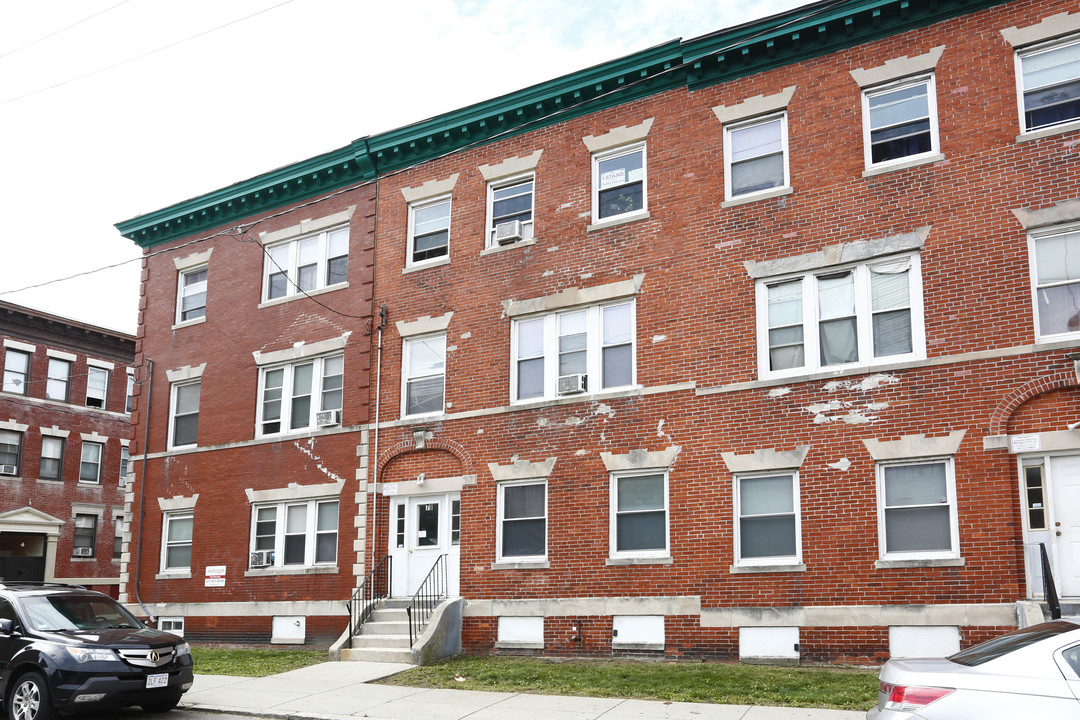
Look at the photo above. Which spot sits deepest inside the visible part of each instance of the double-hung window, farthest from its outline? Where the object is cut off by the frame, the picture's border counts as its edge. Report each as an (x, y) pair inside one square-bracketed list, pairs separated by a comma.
[(90, 464), (424, 372), (16, 371), (125, 461), (10, 452), (191, 294), (756, 156), (307, 264), (581, 350), (619, 182), (1049, 78), (97, 386), (292, 395), (639, 516), (85, 541), (1055, 259), (900, 121), (56, 387), (429, 230), (118, 536), (767, 517), (176, 541), (865, 314), (129, 392), (184, 425), (522, 521), (296, 533), (510, 211), (51, 466), (917, 510)]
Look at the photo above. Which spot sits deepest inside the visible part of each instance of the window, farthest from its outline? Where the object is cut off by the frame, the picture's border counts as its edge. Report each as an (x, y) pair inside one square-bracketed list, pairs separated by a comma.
[(97, 385), (768, 520), (587, 349), (191, 295), (130, 392), (56, 388), (10, 452), (174, 625), (1056, 259), (510, 202), (297, 534), (1050, 84), (917, 510), (755, 156), (1035, 498), (307, 264), (85, 536), (16, 371), (125, 460), (292, 394), (425, 375), (176, 545), (619, 182), (52, 458), (90, 467), (900, 121), (118, 536), (639, 518), (429, 231), (522, 521), (455, 522), (184, 428), (868, 314)]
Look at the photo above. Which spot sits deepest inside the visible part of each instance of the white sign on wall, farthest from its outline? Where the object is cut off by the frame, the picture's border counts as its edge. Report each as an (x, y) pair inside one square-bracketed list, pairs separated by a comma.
[(215, 576)]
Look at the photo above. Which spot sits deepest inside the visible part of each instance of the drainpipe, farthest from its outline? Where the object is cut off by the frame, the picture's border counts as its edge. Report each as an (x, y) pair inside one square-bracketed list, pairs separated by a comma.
[(142, 482), (374, 466)]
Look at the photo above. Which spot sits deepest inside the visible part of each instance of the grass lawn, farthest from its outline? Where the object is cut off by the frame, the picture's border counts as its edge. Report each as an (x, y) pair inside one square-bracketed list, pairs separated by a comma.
[(812, 687), (255, 662)]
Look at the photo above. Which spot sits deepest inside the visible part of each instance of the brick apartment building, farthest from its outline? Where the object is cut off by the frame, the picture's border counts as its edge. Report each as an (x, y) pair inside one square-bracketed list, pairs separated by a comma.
[(64, 448), (760, 345)]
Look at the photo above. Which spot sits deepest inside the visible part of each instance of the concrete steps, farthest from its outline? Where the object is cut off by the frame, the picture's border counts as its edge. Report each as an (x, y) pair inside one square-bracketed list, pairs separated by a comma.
[(384, 637)]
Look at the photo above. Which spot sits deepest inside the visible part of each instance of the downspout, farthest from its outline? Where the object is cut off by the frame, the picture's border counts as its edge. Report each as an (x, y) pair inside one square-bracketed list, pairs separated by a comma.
[(383, 312), (142, 482)]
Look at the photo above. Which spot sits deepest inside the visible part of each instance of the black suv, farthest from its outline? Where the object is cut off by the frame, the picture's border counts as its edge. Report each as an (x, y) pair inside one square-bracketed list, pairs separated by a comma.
[(65, 649)]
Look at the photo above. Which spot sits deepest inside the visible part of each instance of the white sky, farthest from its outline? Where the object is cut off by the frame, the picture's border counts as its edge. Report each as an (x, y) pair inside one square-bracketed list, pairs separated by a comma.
[(151, 102)]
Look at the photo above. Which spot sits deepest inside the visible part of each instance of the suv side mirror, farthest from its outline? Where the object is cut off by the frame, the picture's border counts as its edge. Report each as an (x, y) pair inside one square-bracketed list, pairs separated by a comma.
[(7, 626)]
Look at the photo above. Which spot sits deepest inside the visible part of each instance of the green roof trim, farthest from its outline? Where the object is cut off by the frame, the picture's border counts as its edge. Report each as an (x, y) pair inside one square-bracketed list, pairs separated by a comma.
[(802, 33)]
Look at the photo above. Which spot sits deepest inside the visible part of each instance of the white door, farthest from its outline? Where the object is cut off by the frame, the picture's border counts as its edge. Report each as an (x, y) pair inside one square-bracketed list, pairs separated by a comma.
[(1065, 483), (423, 527)]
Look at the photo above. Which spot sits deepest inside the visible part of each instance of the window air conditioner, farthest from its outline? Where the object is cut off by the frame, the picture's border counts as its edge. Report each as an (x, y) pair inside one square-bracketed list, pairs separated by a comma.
[(508, 232), (570, 384), (83, 552), (9, 470), (328, 418), (262, 558)]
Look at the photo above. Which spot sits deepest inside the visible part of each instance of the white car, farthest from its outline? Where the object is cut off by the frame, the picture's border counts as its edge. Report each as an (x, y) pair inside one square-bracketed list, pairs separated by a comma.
[(1029, 673)]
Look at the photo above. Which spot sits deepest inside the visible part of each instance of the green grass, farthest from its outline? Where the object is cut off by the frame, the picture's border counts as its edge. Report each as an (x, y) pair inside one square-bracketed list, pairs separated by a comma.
[(252, 662), (811, 687)]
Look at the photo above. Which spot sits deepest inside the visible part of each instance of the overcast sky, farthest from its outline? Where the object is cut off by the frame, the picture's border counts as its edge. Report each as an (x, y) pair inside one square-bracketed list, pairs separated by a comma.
[(114, 108)]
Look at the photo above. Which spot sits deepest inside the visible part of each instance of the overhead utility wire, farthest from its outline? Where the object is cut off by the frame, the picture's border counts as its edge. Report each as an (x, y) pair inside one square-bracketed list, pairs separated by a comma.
[(57, 32)]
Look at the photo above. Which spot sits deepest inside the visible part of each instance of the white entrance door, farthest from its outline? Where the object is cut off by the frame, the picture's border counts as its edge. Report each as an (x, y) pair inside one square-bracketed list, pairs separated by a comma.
[(423, 527), (1065, 480)]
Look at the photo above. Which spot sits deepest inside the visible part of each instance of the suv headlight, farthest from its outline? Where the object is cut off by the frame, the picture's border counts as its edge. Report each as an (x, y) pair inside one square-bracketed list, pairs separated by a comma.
[(92, 654), (183, 649)]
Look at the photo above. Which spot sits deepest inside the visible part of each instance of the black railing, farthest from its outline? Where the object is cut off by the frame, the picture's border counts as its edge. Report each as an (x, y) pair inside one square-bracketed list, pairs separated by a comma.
[(432, 591), (1049, 588), (365, 599)]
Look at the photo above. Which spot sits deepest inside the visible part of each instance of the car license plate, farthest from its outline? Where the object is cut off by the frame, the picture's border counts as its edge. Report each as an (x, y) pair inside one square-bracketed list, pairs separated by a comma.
[(153, 681)]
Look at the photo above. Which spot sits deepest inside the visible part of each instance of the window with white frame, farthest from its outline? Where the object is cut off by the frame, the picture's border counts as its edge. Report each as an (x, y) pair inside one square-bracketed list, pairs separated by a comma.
[(510, 210), (174, 625), (429, 230), (1056, 283), (767, 519), (176, 540), (191, 294), (293, 394), (118, 536), (85, 540), (307, 264), (619, 182), (296, 533), (424, 373), (900, 121), (129, 392), (864, 314), (97, 386), (125, 461), (756, 156), (51, 466), (522, 521), (184, 425), (10, 452), (639, 515), (56, 387), (585, 349), (90, 465), (1049, 78), (16, 371), (917, 510)]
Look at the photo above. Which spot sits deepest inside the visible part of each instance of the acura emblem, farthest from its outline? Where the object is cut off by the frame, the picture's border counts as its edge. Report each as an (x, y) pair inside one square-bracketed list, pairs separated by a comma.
[(153, 656)]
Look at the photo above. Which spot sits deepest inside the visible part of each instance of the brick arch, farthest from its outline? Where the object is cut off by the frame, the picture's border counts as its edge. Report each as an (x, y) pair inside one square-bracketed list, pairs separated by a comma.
[(407, 446), (1058, 380)]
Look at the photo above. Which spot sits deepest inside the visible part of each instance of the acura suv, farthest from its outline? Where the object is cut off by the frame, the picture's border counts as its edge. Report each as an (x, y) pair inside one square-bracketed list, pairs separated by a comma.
[(65, 649)]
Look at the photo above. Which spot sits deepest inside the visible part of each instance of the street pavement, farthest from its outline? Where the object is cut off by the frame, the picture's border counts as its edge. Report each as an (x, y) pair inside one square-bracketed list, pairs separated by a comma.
[(340, 690)]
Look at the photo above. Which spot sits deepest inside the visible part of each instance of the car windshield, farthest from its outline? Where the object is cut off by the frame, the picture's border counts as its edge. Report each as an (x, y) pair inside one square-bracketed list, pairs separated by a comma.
[(55, 613), (993, 649)]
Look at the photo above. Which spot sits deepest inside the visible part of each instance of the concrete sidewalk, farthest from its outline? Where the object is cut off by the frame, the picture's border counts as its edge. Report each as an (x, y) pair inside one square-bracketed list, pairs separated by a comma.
[(341, 690)]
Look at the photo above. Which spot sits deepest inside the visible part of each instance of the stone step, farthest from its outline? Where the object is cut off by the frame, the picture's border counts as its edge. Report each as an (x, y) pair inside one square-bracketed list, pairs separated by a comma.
[(393, 655), (384, 628), (380, 641), (389, 615)]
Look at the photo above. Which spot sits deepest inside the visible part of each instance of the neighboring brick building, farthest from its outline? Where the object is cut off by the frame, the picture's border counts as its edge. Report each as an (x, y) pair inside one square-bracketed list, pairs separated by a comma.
[(64, 435), (755, 345)]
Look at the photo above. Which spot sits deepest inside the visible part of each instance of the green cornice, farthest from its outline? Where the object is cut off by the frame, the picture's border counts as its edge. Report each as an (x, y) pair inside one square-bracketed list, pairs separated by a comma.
[(805, 32)]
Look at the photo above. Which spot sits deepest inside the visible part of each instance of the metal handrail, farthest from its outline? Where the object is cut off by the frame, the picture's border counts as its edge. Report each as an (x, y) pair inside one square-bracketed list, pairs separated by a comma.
[(1049, 588), (365, 599), (432, 591)]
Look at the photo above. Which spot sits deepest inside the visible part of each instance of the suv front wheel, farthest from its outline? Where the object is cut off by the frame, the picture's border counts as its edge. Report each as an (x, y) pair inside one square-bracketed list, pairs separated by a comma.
[(30, 699)]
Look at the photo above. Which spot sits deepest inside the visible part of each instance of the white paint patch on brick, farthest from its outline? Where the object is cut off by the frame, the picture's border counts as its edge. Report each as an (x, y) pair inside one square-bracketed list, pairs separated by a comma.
[(604, 409), (480, 431), (866, 384), (585, 276), (541, 422), (841, 464), (553, 248), (318, 464), (571, 421), (466, 335), (451, 348), (779, 392), (583, 451), (659, 338)]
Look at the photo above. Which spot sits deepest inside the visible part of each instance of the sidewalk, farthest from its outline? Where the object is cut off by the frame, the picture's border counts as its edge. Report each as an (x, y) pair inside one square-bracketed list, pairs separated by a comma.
[(335, 690)]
